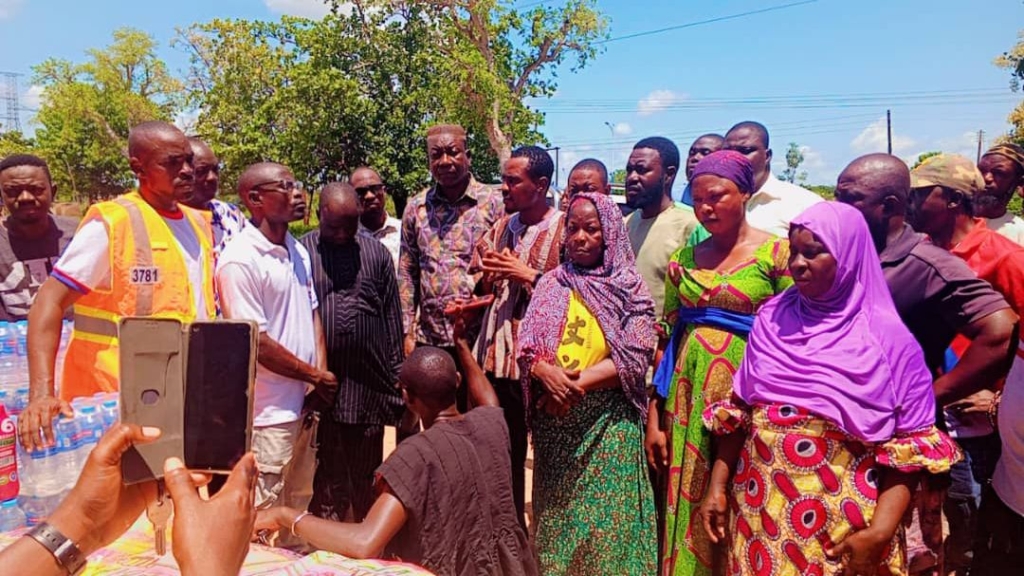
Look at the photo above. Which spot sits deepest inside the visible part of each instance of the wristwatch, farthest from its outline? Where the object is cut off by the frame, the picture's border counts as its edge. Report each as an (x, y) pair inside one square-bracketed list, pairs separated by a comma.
[(66, 552)]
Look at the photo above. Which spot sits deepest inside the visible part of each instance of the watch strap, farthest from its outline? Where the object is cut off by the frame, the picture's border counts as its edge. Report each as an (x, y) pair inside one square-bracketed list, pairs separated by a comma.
[(66, 552)]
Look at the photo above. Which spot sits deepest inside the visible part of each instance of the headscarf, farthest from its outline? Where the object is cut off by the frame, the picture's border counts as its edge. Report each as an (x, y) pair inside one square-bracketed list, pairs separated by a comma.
[(1011, 151), (728, 164), (614, 293), (845, 356)]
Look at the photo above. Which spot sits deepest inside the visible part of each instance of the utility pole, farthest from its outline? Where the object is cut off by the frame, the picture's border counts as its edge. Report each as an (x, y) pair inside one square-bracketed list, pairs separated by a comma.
[(981, 134), (10, 119), (556, 149), (888, 128)]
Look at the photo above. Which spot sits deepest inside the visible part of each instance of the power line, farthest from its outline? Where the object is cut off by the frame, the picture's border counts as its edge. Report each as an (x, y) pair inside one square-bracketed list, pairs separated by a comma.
[(708, 21)]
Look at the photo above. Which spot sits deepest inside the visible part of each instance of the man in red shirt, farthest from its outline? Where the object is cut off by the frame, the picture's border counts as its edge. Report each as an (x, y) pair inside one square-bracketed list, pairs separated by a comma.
[(944, 190)]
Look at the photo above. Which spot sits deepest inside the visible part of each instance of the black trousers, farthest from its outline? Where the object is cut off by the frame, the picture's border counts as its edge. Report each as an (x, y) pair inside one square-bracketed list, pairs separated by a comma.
[(510, 396), (347, 457), (999, 545)]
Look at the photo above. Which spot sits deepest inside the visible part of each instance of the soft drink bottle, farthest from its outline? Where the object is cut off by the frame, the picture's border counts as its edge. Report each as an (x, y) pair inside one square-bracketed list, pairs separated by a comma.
[(9, 479)]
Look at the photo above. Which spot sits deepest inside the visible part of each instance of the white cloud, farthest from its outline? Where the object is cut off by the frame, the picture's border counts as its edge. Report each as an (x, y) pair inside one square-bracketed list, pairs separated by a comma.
[(622, 129), (873, 139), (965, 144), (315, 9), (8, 8), (33, 97), (657, 101)]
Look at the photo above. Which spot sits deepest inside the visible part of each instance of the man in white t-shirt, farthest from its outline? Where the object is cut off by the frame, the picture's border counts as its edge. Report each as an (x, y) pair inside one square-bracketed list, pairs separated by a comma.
[(264, 275), (776, 203), (140, 254)]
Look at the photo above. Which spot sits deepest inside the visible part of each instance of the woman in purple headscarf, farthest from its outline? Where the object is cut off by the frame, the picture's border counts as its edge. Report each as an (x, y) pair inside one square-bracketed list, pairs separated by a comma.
[(585, 345), (712, 292), (832, 418)]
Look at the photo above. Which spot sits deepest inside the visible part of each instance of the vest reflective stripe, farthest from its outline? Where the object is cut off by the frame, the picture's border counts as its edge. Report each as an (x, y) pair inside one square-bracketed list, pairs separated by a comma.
[(140, 241), (95, 326), (143, 255)]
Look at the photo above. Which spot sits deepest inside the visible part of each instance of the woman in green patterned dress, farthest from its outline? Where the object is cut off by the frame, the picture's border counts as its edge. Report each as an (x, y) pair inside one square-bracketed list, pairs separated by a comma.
[(712, 292), (585, 345)]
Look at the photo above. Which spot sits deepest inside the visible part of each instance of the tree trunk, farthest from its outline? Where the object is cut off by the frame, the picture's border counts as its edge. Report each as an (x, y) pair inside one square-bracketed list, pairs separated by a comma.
[(500, 142)]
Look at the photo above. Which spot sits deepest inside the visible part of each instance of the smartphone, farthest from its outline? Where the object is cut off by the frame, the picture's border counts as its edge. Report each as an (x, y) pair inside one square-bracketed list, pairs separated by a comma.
[(218, 395)]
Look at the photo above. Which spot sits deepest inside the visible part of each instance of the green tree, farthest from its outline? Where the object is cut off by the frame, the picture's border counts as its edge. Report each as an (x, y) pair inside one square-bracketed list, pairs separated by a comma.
[(618, 176), (494, 55), (1013, 60), (88, 108), (826, 191), (794, 158), (924, 156)]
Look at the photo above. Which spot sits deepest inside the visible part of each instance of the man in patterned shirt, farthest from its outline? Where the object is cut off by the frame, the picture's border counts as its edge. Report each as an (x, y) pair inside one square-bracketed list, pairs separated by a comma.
[(440, 228), (374, 222), (227, 219)]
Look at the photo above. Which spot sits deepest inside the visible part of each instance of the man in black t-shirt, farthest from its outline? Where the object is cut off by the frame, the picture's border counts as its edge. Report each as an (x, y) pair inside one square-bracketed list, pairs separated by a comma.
[(31, 238)]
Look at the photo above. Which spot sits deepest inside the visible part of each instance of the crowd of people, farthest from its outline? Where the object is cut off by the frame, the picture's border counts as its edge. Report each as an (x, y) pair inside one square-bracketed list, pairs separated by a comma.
[(741, 378)]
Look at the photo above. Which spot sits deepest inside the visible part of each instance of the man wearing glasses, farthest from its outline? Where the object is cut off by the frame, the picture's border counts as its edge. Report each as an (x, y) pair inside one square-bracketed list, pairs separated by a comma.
[(226, 218), (375, 222), (264, 275)]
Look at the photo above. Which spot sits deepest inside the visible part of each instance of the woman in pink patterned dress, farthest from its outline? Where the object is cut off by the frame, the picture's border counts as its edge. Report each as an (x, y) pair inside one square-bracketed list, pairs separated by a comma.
[(832, 419)]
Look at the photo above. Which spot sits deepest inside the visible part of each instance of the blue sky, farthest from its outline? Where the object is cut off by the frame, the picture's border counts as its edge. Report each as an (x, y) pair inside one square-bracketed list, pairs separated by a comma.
[(820, 74)]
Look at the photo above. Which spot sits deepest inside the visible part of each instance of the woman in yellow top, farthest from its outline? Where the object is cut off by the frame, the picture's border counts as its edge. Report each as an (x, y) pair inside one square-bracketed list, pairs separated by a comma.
[(584, 348)]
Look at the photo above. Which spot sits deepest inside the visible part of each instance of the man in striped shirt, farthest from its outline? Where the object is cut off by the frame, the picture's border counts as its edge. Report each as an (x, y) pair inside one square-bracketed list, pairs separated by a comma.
[(354, 280), (512, 256)]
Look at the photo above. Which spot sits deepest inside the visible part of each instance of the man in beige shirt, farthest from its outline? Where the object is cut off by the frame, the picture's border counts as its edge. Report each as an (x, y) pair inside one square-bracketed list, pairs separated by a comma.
[(657, 227)]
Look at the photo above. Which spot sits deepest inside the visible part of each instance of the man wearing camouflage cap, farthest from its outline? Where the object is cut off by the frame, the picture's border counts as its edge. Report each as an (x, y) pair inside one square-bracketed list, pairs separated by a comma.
[(1002, 167), (946, 193)]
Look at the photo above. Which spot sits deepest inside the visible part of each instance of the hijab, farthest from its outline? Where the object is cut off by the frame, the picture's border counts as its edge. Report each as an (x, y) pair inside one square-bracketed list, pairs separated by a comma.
[(846, 355), (728, 164)]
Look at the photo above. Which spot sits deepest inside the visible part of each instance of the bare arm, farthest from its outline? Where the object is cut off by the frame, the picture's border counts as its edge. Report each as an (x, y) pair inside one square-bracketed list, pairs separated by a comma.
[(714, 508), (862, 551), (321, 341), (45, 320), (480, 391), (280, 360), (986, 360), (601, 376), (365, 539)]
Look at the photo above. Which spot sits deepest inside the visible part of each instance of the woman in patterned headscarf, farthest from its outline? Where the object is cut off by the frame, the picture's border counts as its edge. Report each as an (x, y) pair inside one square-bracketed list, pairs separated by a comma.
[(712, 292), (585, 345)]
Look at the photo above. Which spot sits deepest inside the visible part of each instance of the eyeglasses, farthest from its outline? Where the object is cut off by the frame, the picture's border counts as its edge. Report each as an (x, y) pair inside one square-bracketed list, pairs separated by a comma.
[(374, 188), (282, 186)]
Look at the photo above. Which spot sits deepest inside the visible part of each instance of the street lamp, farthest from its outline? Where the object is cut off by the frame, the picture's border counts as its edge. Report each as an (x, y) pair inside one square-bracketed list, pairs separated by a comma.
[(610, 127)]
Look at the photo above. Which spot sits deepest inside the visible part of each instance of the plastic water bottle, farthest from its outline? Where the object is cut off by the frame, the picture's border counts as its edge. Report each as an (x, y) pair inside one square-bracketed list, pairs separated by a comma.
[(109, 413), (20, 401), (8, 355), (69, 462), (11, 517), (90, 429)]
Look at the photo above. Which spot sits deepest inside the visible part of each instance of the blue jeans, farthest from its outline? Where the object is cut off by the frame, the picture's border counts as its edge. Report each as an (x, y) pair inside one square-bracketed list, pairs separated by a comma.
[(969, 479)]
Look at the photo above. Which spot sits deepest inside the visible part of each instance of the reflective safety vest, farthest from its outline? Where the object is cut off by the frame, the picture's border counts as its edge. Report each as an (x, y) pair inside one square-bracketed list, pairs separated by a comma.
[(148, 277)]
